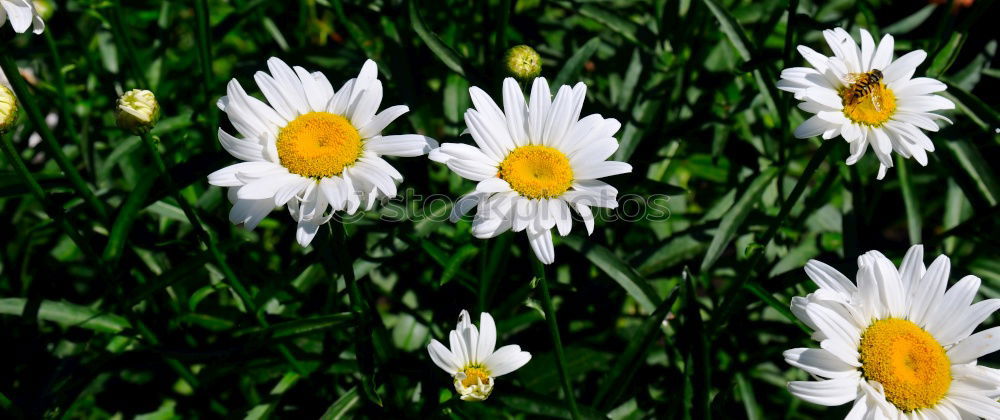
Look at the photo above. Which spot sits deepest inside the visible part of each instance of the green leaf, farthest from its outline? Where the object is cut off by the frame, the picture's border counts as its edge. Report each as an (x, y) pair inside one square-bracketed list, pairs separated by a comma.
[(300, 327), (748, 398), (981, 113), (68, 315), (453, 266), (734, 218), (973, 165), (342, 406), (442, 51), (125, 218), (731, 28), (575, 63), (629, 362), (621, 272)]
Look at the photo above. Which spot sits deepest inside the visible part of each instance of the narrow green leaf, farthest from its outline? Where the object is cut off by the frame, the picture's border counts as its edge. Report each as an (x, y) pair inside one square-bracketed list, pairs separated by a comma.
[(575, 63), (914, 221), (782, 308), (621, 272), (732, 29), (629, 362), (344, 404), (748, 398), (453, 266), (617, 24), (734, 218), (947, 55), (68, 314), (974, 166), (125, 218), (981, 113), (299, 327), (442, 51)]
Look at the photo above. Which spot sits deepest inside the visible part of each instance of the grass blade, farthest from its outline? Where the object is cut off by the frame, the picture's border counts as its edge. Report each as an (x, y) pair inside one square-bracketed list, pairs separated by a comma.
[(621, 272), (625, 366), (735, 217), (575, 63), (68, 315)]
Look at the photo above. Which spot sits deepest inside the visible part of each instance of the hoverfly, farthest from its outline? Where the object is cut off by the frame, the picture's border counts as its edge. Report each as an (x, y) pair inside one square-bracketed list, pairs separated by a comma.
[(861, 85)]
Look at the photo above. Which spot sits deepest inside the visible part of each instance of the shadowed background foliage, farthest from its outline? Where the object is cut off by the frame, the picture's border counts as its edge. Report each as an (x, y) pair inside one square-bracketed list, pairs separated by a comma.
[(136, 317)]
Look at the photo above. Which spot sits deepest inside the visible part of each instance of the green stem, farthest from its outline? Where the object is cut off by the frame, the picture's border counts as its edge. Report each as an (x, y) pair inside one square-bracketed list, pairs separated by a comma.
[(737, 289), (913, 218), (484, 277), (364, 349), (65, 108), (550, 319), (55, 212), (180, 368), (26, 97), (205, 61), (125, 44), (205, 237)]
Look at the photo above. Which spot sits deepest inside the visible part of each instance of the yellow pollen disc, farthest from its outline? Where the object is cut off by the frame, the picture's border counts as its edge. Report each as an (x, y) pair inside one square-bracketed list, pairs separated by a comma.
[(318, 144), (909, 363), (537, 171), (874, 108), (473, 375)]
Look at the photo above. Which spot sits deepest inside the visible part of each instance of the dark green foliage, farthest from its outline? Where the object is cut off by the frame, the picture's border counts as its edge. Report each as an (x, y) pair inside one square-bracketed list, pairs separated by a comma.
[(110, 302)]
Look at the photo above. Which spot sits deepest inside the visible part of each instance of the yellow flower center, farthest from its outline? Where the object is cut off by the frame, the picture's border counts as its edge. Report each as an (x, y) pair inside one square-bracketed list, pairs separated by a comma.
[(318, 144), (909, 363), (474, 375), (873, 105), (537, 171)]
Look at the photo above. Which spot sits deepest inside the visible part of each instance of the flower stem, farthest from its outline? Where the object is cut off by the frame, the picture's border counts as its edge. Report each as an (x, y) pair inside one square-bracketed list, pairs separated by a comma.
[(55, 212), (484, 277), (364, 349), (734, 294), (125, 45), (550, 318), (206, 238), (27, 100), (65, 108), (205, 60)]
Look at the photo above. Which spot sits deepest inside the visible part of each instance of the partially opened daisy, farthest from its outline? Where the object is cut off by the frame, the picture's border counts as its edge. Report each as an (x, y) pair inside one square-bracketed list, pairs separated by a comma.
[(471, 359), (898, 343), (866, 97), (22, 15), (533, 161), (314, 149)]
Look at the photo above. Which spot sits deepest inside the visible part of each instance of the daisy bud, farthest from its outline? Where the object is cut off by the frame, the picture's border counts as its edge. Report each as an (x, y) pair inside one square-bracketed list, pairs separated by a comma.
[(8, 109), (523, 62), (137, 111)]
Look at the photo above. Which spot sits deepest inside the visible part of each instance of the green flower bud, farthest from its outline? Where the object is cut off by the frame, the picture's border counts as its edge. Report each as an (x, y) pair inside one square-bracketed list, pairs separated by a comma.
[(44, 8), (8, 109), (137, 111), (523, 62)]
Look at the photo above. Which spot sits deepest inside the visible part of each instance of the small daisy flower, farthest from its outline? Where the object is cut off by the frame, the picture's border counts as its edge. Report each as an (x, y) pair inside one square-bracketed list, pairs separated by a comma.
[(897, 343), (471, 359), (866, 97), (310, 148), (22, 15), (533, 161)]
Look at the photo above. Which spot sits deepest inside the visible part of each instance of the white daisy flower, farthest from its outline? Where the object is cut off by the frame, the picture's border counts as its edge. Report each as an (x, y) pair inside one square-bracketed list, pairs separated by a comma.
[(312, 148), (866, 97), (897, 343), (533, 162), (472, 361), (22, 15)]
